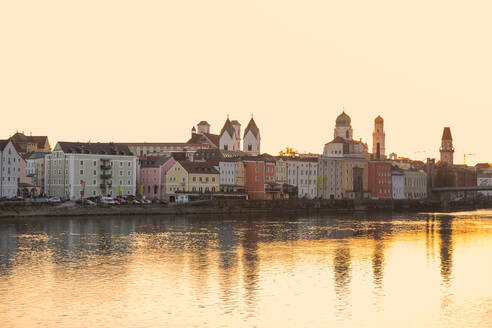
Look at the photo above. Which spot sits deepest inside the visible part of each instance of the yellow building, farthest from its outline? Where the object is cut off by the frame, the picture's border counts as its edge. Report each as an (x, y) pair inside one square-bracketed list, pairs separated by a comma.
[(191, 177), (354, 177), (280, 171)]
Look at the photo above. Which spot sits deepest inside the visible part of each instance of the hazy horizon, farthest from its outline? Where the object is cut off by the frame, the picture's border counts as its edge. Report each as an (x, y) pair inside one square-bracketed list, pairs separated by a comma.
[(124, 71)]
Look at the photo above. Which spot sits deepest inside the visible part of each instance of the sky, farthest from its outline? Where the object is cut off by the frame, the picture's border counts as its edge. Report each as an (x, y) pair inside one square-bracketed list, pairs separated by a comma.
[(134, 71)]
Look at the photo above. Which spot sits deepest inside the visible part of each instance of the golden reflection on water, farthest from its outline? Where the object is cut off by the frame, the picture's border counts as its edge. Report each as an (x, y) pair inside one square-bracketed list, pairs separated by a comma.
[(369, 271)]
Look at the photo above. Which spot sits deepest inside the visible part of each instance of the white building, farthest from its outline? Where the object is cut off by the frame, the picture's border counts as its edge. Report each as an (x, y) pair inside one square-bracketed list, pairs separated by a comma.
[(35, 168), (303, 174), (9, 169), (252, 139), (343, 142), (75, 170), (398, 183)]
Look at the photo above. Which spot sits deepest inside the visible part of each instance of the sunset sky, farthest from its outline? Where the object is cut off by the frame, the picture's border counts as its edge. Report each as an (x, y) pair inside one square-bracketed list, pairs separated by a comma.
[(134, 71)]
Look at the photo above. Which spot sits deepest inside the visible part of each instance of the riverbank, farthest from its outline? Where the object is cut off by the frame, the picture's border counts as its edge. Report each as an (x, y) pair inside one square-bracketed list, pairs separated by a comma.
[(21, 210)]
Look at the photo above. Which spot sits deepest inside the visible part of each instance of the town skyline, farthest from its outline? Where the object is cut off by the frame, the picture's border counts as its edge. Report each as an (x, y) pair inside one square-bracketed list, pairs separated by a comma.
[(420, 154)]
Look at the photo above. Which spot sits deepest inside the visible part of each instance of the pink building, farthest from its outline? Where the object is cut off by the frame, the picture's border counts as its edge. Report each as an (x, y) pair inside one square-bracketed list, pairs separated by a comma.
[(152, 177)]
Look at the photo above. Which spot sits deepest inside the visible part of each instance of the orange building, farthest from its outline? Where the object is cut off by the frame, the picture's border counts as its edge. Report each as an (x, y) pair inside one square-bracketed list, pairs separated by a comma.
[(260, 177)]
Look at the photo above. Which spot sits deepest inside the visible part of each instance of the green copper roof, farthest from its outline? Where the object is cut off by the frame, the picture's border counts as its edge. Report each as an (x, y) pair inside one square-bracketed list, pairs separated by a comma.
[(252, 126), (227, 127), (343, 120)]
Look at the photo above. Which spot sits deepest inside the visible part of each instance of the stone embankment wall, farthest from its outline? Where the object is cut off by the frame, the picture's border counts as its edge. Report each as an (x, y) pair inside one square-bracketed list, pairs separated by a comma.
[(19, 209)]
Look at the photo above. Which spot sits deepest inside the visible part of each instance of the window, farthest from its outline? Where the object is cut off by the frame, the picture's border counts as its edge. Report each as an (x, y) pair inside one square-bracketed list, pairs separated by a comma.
[(129, 164), (121, 173), (129, 173), (121, 164), (250, 147), (95, 172), (94, 163), (194, 178), (81, 162), (81, 172)]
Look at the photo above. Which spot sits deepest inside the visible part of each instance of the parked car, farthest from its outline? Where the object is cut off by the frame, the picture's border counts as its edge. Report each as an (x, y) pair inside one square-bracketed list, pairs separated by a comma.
[(135, 201), (121, 201), (85, 201), (54, 200), (108, 201), (146, 201)]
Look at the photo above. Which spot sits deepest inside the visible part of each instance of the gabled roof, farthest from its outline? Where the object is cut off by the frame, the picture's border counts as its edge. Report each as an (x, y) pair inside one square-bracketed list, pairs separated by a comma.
[(235, 122), (252, 127), (4, 143), (199, 167), (154, 161), (37, 155), (22, 140), (228, 127), (197, 138), (94, 148)]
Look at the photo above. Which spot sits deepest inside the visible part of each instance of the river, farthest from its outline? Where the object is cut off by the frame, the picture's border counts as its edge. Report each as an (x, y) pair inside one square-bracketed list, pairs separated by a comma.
[(362, 270)]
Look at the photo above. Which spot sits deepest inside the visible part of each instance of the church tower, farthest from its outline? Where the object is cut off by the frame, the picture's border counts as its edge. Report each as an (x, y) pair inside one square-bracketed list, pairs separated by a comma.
[(343, 127), (252, 140), (379, 138), (447, 150), (228, 138)]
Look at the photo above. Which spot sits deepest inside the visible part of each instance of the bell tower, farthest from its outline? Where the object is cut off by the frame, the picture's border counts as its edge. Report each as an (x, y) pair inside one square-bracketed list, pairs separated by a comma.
[(379, 138), (447, 149)]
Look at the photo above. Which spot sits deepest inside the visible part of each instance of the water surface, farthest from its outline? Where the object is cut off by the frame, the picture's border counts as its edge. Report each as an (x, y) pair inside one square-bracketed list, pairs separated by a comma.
[(365, 271)]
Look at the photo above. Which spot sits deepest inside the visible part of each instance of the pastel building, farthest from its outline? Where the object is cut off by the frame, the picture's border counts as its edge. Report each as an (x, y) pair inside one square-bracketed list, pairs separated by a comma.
[(9, 169), (193, 178), (415, 184), (232, 175), (35, 167), (303, 174), (397, 183), (260, 177), (281, 171), (344, 166), (75, 170), (152, 177)]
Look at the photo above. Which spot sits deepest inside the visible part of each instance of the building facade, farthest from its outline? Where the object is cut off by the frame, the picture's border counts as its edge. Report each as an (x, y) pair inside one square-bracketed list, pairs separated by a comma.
[(152, 177), (415, 184), (232, 175), (75, 170), (9, 169), (380, 179), (191, 177), (303, 174), (397, 183)]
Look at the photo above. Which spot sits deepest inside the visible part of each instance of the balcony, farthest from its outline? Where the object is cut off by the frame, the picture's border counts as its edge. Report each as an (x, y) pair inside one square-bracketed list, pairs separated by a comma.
[(105, 167), (103, 186), (105, 176)]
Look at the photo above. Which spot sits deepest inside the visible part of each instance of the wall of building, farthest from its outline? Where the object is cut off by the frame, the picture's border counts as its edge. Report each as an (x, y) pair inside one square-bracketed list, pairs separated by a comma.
[(380, 182), (9, 171)]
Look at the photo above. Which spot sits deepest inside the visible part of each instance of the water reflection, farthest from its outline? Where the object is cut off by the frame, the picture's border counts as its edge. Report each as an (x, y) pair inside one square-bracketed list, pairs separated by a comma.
[(229, 271)]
